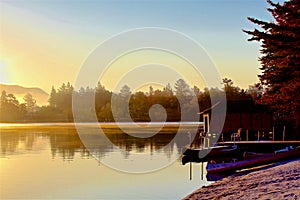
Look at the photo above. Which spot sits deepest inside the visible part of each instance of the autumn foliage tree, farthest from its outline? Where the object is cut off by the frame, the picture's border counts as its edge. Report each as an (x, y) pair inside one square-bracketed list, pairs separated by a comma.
[(280, 63)]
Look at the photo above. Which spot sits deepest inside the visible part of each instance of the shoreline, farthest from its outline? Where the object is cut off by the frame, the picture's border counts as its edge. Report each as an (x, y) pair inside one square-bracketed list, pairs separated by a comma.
[(281, 181)]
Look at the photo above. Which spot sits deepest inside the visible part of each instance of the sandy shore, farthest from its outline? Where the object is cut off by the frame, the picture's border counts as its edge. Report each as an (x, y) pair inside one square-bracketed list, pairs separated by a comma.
[(278, 182)]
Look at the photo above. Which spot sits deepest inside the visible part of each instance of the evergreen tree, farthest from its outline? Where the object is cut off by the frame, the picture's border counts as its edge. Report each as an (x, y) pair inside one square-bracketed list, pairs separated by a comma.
[(182, 89), (53, 98), (280, 48), (234, 92), (30, 103), (102, 98), (139, 106), (120, 104), (3, 99), (61, 100), (196, 90), (125, 92), (151, 91), (167, 91), (9, 108)]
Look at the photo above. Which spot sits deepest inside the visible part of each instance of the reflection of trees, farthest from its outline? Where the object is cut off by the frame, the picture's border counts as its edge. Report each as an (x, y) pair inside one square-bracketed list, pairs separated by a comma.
[(8, 143), (11, 141), (163, 141), (128, 142), (64, 142)]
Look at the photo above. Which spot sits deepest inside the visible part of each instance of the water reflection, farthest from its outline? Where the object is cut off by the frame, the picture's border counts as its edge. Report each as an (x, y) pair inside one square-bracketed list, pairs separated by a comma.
[(13, 140), (64, 141), (51, 162)]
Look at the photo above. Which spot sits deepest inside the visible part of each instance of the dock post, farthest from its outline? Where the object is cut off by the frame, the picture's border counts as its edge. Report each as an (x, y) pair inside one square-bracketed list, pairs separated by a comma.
[(208, 142), (273, 133), (283, 133), (247, 136), (190, 138), (257, 135), (202, 171), (191, 177)]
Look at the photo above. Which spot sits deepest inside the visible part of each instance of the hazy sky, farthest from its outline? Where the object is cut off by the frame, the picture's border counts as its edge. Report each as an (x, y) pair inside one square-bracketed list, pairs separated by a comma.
[(44, 43)]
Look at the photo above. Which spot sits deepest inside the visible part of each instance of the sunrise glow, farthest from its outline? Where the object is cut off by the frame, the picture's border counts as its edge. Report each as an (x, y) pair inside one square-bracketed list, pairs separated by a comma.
[(47, 40), (4, 72)]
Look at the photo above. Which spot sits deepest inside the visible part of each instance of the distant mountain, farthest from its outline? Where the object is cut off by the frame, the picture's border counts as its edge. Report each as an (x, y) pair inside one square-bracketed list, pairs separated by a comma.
[(38, 94)]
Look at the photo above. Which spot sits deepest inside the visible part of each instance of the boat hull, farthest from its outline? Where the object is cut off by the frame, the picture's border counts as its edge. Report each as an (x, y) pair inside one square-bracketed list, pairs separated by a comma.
[(253, 161), (210, 152)]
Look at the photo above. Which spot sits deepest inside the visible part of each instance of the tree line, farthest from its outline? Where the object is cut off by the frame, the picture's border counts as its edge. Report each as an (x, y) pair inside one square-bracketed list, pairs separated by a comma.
[(139, 103)]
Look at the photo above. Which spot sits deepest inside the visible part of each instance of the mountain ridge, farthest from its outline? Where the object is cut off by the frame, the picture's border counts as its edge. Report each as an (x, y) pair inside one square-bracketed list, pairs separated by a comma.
[(38, 94)]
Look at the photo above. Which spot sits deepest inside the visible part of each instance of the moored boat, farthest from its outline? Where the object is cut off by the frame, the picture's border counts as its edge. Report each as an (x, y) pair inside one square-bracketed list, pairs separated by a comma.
[(211, 152), (254, 160)]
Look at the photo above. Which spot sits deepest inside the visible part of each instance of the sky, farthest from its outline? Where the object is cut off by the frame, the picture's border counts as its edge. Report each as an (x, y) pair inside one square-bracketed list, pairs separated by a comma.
[(45, 43)]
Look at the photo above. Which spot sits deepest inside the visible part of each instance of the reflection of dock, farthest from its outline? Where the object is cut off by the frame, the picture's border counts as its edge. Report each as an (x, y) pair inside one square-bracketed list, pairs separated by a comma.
[(261, 146)]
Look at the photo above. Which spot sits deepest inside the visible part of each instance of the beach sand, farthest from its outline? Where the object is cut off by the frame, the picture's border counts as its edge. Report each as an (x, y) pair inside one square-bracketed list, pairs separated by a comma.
[(278, 182)]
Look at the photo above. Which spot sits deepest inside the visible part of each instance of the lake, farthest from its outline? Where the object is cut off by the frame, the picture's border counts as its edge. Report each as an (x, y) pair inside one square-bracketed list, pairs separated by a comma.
[(51, 161)]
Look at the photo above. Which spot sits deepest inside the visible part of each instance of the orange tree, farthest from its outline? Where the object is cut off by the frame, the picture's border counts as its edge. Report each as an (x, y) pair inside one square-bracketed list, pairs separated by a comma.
[(280, 64)]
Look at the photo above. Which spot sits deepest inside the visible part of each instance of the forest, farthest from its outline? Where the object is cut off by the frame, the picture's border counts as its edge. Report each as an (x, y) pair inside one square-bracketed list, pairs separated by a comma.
[(59, 108)]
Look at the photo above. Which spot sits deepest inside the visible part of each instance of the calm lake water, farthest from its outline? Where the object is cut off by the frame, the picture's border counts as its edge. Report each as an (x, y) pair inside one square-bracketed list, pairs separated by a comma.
[(50, 161)]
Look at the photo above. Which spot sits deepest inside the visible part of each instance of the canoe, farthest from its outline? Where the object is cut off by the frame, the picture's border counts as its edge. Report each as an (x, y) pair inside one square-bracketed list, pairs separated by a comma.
[(248, 155), (211, 152), (253, 161)]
